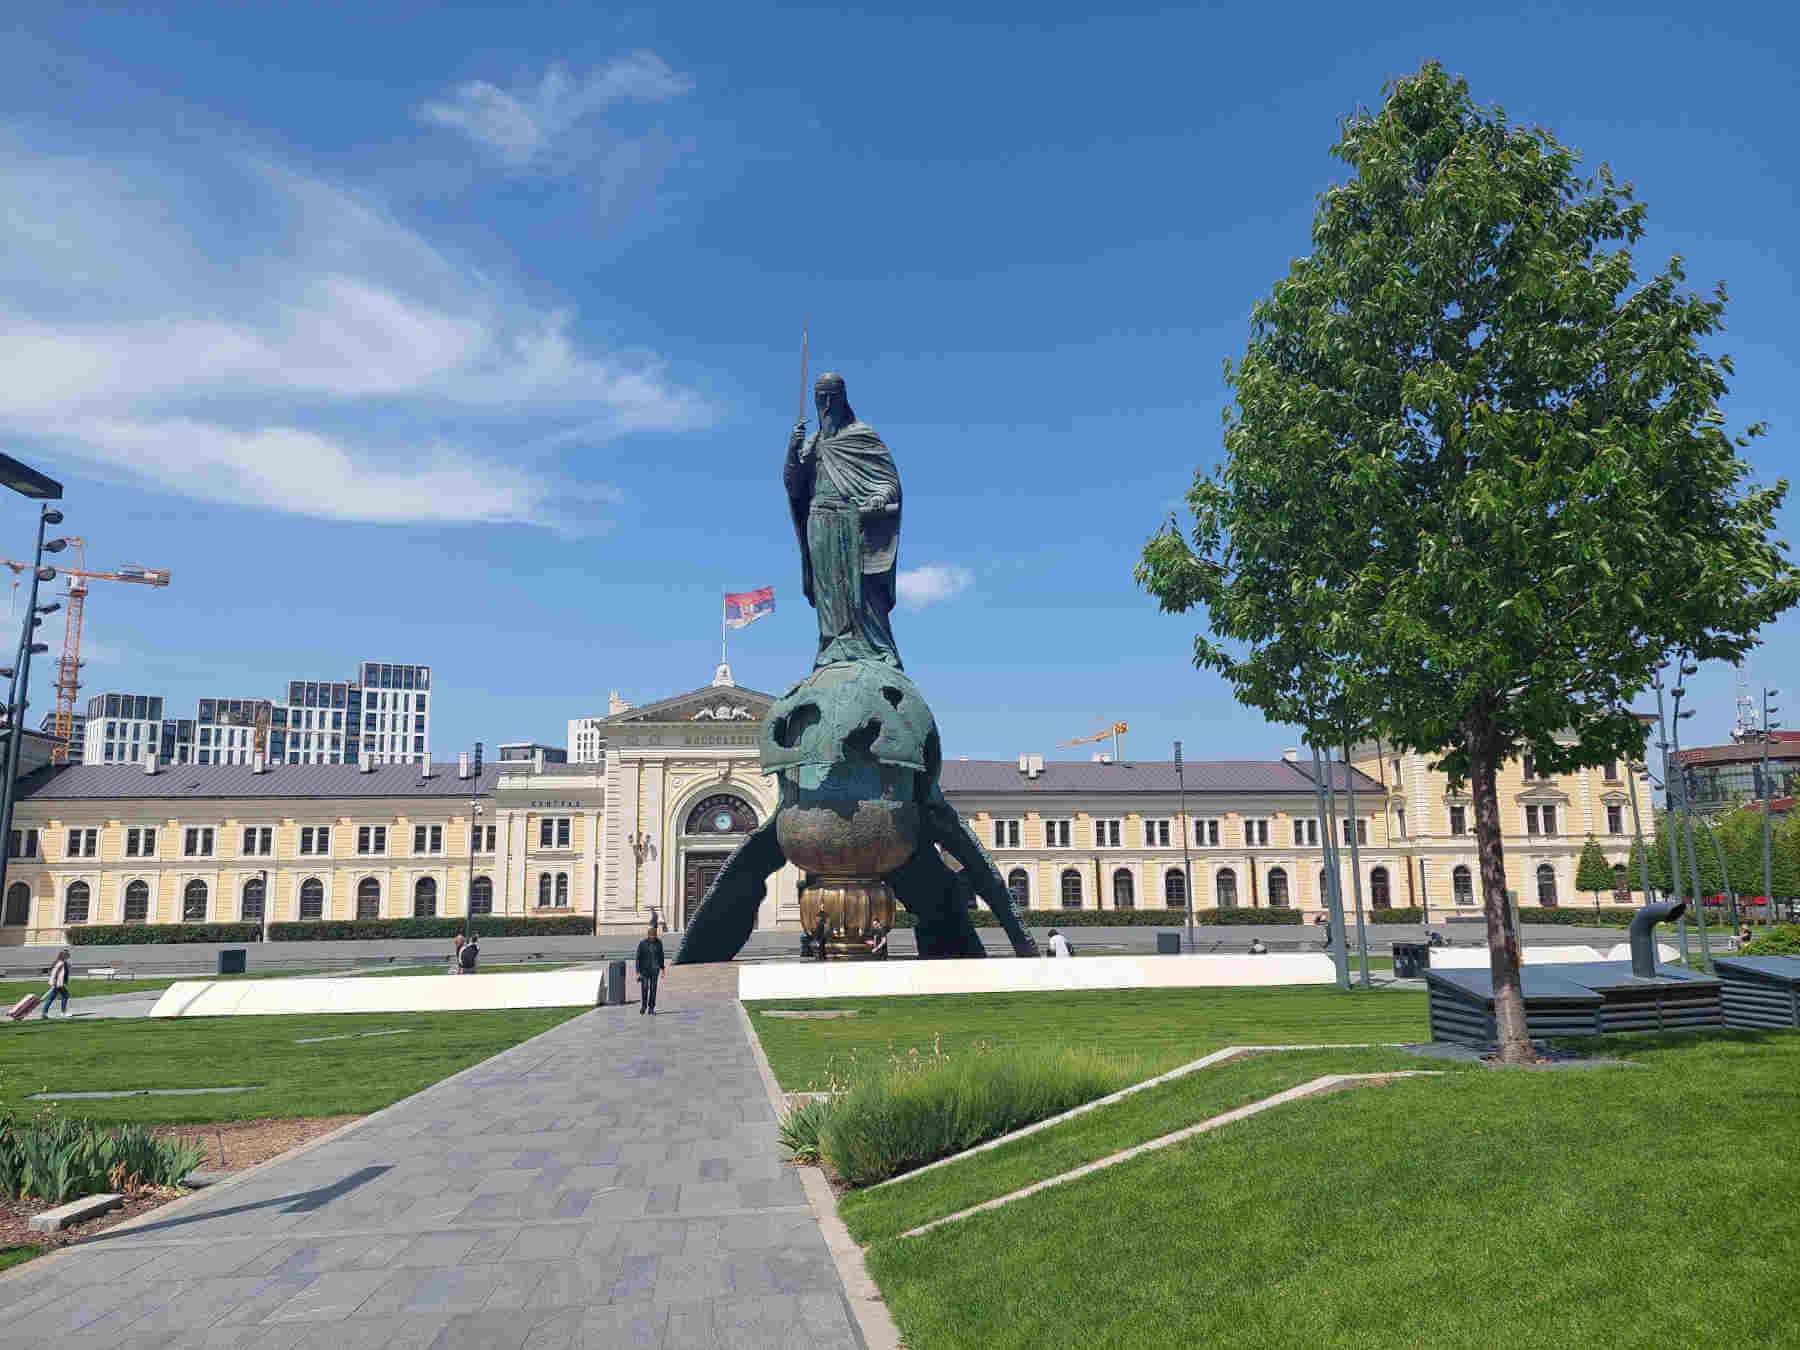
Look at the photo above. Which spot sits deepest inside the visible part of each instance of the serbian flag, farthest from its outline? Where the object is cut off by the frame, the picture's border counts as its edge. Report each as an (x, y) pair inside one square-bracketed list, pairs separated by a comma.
[(743, 610)]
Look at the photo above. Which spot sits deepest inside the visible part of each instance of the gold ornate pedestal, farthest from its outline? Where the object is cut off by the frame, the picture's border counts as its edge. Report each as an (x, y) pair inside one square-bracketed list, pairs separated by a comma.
[(852, 909)]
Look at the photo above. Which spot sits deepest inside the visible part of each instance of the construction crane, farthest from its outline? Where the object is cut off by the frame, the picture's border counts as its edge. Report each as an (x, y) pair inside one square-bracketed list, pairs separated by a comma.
[(68, 676), (1116, 730)]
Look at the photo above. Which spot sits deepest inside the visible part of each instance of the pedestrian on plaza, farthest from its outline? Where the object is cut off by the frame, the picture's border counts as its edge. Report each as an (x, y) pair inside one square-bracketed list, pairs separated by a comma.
[(650, 965), (1059, 945), (59, 984), (468, 954), (1257, 948), (821, 931), (1744, 934), (456, 966), (878, 942)]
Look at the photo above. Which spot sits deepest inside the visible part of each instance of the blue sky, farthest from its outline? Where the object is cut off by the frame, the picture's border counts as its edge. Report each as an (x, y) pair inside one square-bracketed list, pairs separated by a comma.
[(470, 336)]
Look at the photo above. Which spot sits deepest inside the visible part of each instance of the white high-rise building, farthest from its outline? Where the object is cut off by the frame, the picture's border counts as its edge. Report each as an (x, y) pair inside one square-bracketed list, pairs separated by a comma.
[(321, 723), (122, 728), (225, 730), (587, 735), (396, 713)]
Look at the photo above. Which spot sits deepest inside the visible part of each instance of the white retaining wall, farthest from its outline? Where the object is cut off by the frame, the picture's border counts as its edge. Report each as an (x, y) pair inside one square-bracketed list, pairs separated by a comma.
[(365, 994), (869, 979)]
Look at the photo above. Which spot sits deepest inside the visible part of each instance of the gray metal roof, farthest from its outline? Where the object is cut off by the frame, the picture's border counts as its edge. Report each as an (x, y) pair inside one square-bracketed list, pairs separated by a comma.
[(98, 782), (1197, 776)]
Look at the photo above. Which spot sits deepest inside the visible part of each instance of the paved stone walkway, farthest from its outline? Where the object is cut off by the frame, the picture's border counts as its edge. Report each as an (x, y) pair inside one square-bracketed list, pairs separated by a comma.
[(613, 1182)]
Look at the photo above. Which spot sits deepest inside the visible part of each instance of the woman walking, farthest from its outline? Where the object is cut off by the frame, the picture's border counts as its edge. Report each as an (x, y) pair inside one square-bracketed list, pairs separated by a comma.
[(59, 984)]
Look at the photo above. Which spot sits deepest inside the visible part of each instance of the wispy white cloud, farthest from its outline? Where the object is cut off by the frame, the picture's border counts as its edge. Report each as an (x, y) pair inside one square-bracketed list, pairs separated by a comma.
[(527, 125), (921, 586), (264, 338)]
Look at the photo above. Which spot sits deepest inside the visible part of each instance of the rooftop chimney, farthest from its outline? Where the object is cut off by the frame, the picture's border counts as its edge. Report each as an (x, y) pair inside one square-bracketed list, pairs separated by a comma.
[(150, 762), (1031, 765), (616, 705), (365, 762), (462, 765), (1291, 753), (259, 763), (425, 766), (537, 760)]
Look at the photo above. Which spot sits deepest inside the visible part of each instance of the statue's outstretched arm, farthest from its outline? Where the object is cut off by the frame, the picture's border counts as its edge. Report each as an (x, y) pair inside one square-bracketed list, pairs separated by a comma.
[(943, 825), (718, 930)]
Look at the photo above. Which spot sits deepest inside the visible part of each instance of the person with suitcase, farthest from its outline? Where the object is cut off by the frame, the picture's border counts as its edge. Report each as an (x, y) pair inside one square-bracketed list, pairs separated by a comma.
[(59, 984)]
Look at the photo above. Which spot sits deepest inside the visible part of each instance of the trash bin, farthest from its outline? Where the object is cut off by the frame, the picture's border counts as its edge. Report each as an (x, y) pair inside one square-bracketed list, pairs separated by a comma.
[(615, 983), (1411, 960), (1168, 944), (232, 961)]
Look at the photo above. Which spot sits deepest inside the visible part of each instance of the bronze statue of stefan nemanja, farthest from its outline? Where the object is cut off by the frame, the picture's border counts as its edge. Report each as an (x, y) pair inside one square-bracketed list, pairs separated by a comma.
[(854, 745)]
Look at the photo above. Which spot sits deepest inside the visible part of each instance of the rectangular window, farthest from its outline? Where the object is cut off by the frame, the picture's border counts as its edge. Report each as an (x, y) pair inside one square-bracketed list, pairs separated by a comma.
[(1530, 767), (484, 838), (23, 844), (1306, 832), (371, 839), (1057, 833), (1549, 820), (1615, 820), (1400, 821), (1362, 830), (1459, 820), (140, 842), (1256, 833), (546, 832), (198, 842), (1006, 834), (1108, 833), (83, 843), (562, 831), (259, 841), (1156, 834), (315, 839), (1206, 832), (428, 839), (1611, 770)]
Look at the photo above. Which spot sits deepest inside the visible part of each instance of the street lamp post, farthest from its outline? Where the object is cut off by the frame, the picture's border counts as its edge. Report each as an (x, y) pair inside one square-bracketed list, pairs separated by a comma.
[(1633, 772), (1724, 872), (262, 878), (1768, 734), (469, 882), (1187, 868), (1662, 730), (1683, 668), (1334, 900), (21, 672)]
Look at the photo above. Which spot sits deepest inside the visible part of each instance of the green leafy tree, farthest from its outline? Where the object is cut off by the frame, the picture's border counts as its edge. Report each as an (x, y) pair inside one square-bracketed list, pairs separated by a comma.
[(1474, 470), (1592, 871)]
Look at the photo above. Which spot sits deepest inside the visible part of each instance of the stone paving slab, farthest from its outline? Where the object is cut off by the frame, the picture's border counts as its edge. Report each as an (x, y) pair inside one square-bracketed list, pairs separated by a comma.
[(616, 1181)]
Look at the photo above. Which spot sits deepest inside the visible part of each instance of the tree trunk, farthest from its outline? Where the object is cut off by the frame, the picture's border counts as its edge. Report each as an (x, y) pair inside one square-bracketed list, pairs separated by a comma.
[(1503, 945)]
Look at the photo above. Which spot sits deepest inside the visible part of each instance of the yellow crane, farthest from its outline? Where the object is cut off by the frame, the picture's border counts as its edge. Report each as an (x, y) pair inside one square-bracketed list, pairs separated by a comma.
[(1116, 730), (68, 673)]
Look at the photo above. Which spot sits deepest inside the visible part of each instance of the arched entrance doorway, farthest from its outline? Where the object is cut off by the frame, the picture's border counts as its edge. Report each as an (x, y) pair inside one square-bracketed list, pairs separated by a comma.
[(713, 828)]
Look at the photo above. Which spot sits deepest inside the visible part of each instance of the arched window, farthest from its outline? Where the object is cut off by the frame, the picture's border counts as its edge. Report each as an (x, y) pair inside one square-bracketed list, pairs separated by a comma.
[(1071, 889), (18, 905), (562, 890), (1546, 882), (368, 898), (137, 903), (1018, 885), (723, 813), (1278, 892), (544, 891), (1225, 888), (312, 898), (193, 902), (1124, 892), (1621, 882), (75, 902), (481, 896), (256, 894), (1174, 888), (1462, 885), (1379, 897), (424, 898)]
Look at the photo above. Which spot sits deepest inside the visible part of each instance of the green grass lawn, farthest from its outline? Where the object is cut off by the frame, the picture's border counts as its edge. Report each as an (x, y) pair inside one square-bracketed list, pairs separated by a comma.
[(1646, 1205), (336, 1077), (1159, 1027), (12, 1256)]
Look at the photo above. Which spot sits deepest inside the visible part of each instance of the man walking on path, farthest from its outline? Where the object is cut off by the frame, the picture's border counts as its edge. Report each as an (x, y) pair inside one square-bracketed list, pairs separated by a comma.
[(59, 984), (650, 965)]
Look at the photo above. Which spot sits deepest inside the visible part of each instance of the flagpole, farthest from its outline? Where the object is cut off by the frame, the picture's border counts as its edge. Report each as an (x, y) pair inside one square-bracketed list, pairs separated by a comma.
[(724, 630)]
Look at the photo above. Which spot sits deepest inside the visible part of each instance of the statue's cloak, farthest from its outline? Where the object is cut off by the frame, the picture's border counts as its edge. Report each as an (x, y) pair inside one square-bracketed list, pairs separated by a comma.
[(858, 465)]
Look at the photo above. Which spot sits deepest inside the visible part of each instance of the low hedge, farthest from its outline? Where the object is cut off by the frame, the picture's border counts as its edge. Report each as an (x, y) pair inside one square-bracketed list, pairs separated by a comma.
[(156, 934), (1575, 916), (326, 930), (1121, 918), (1782, 940), (487, 925), (1396, 916)]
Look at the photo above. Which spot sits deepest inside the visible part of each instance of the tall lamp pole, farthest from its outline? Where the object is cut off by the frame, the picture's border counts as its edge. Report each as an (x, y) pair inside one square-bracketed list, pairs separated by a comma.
[(1768, 794), (1187, 867), (474, 815), (1633, 772), (1334, 900), (21, 671), (1662, 730), (1683, 668)]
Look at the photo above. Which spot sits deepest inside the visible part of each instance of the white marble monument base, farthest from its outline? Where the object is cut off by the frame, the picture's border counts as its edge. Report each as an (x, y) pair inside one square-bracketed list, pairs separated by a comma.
[(415, 993), (994, 975)]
